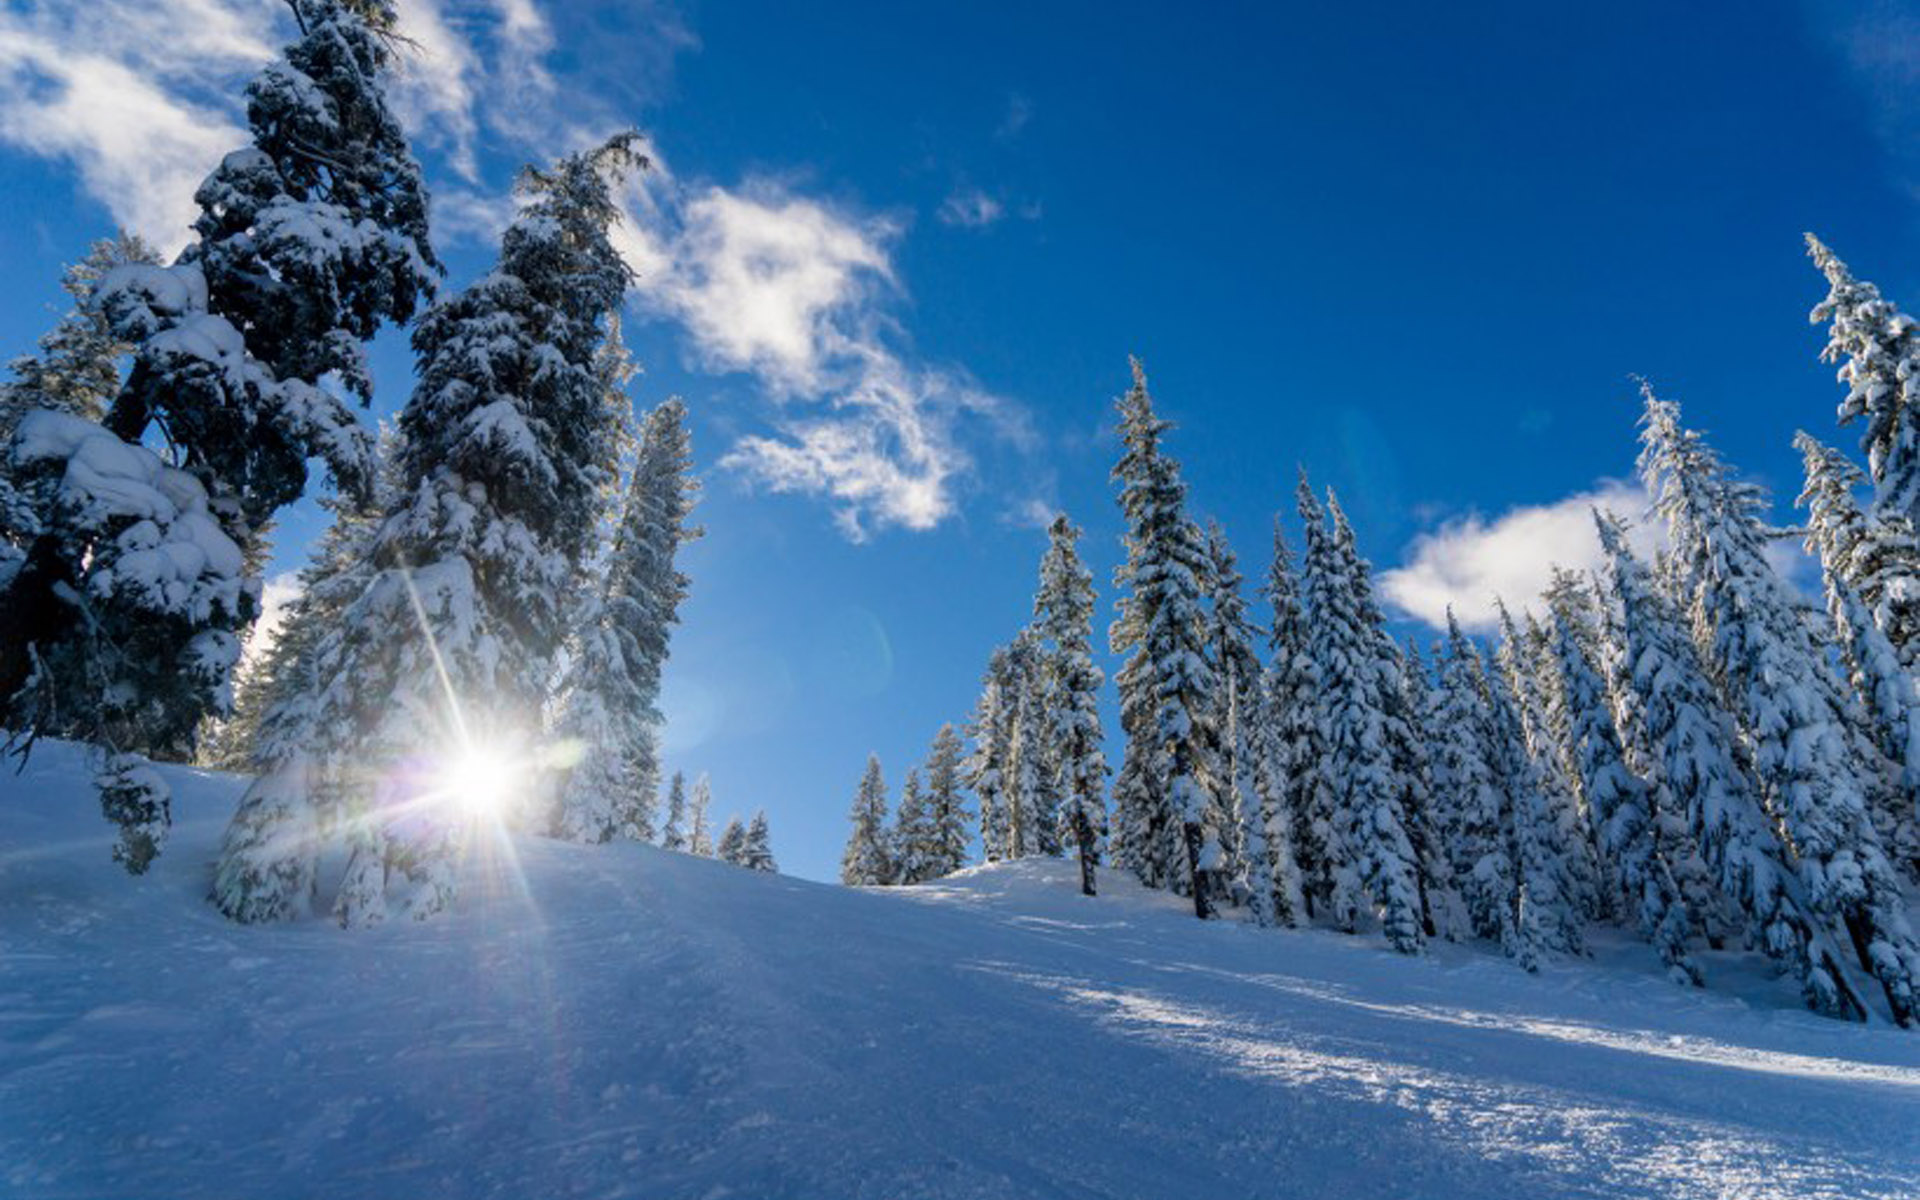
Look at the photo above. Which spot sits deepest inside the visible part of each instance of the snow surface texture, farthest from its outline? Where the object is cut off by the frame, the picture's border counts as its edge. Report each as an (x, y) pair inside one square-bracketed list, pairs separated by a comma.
[(633, 1022)]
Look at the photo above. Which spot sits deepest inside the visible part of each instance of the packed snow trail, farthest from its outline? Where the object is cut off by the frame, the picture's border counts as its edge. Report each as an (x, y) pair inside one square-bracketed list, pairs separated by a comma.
[(621, 1021)]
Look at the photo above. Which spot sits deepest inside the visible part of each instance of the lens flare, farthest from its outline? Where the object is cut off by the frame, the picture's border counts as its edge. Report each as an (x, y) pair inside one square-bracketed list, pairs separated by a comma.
[(480, 783)]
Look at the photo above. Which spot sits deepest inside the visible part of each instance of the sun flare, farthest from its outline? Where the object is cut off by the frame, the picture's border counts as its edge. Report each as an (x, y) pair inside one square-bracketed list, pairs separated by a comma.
[(479, 782)]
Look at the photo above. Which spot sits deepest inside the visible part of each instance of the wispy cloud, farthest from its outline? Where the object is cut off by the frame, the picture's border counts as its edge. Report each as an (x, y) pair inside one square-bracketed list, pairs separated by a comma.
[(798, 295), (1470, 562), (970, 208), (1016, 118), (1880, 43)]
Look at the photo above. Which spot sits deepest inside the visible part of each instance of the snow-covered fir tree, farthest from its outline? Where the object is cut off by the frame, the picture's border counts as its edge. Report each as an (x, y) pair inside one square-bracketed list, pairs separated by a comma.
[(1877, 556), (1810, 763), (733, 843), (1474, 816), (1294, 781), (77, 364), (1063, 618), (912, 833), (756, 848), (947, 816), (1234, 802), (448, 652), (699, 833), (1639, 842), (1690, 738), (1032, 790), (989, 768), (866, 862), (135, 576), (1332, 879), (1878, 349), (1162, 800), (1379, 874), (611, 700), (673, 833), (1545, 838), (1442, 911)]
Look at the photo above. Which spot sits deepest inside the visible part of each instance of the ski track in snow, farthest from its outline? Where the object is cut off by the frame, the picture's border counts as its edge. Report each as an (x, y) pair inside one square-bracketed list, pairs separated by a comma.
[(619, 1021)]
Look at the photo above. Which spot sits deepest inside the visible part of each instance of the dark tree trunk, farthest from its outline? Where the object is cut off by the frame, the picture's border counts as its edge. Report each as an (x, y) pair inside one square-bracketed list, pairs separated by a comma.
[(1084, 836), (1201, 907), (35, 615)]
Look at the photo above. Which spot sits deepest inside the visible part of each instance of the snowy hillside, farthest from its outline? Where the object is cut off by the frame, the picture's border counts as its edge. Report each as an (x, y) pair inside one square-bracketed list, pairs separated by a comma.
[(621, 1021)]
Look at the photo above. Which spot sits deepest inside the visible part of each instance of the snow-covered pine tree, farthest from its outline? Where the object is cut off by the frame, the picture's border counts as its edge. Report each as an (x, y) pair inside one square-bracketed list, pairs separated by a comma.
[(1690, 739), (1540, 908), (1878, 348), (1166, 684), (1359, 695), (911, 840), (1619, 803), (756, 849), (1556, 877), (450, 647), (1869, 569), (865, 862), (135, 578), (1441, 907), (1878, 557), (1473, 819), (77, 364), (611, 700), (1235, 807), (1032, 795), (699, 833), (947, 815), (733, 843), (1294, 781), (673, 834), (989, 768), (1774, 674), (1063, 618), (1332, 877)]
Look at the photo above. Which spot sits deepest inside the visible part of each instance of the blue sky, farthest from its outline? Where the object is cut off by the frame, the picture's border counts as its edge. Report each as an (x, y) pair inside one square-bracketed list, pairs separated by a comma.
[(896, 256)]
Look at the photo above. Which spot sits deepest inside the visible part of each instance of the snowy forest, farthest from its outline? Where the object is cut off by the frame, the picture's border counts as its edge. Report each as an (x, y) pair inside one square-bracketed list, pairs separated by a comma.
[(1685, 745)]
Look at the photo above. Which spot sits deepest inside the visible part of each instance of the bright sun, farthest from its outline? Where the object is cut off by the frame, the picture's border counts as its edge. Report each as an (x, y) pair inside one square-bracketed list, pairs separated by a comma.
[(479, 782)]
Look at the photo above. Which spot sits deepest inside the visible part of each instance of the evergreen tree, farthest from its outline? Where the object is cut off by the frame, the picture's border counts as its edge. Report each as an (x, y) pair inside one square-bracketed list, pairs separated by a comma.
[(1063, 617), (1545, 835), (1233, 792), (1638, 841), (450, 646), (1473, 820), (1691, 737), (1166, 685), (756, 851), (1032, 800), (1536, 912), (1442, 910), (1332, 880), (1878, 558), (1879, 352), (865, 862), (611, 703), (699, 837), (1359, 693), (733, 843), (912, 833), (989, 767), (673, 836), (1295, 776), (76, 369), (1811, 769), (947, 815), (135, 574)]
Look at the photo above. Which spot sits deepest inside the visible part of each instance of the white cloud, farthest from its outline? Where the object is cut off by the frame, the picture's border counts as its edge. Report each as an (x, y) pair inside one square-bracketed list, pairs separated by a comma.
[(796, 294), (1880, 43), (140, 99), (1470, 562), (970, 208)]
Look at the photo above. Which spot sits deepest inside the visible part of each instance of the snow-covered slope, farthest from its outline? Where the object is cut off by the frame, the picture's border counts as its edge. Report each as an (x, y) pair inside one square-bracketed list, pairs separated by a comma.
[(621, 1021)]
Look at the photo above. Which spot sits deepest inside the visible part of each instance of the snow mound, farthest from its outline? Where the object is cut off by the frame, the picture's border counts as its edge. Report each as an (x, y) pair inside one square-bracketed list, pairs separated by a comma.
[(623, 1021)]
